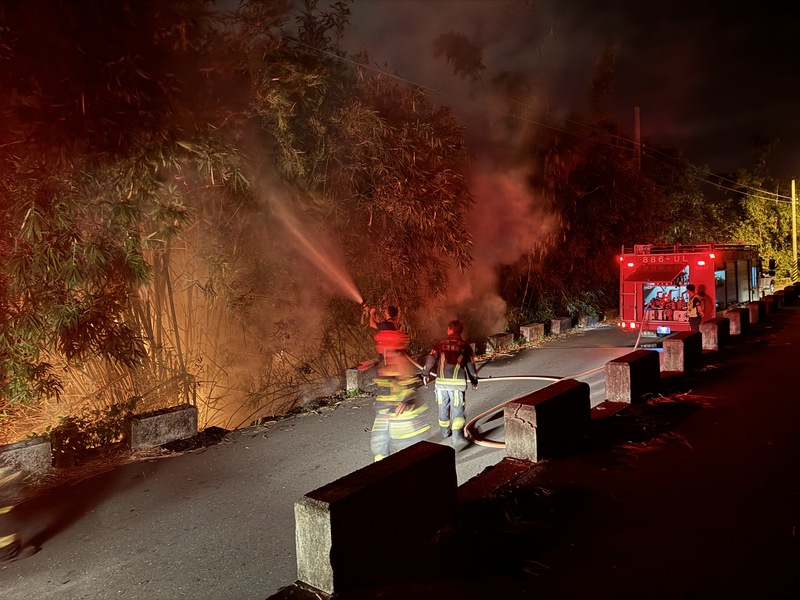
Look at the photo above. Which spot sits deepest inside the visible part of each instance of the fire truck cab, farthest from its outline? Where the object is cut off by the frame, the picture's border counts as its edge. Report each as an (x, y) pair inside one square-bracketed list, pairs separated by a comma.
[(652, 281)]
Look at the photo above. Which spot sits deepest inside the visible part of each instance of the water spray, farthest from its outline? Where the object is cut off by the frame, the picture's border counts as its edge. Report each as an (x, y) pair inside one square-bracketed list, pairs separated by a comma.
[(324, 262)]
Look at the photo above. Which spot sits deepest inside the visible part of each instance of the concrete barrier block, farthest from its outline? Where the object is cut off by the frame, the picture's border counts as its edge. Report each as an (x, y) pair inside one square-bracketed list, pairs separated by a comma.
[(716, 333), (33, 458), (755, 309), (162, 426), (560, 325), (548, 422), (587, 321), (532, 331), (311, 391), (766, 306), (363, 529), (479, 348), (499, 342), (739, 321), (361, 377), (632, 377), (683, 351), (780, 299)]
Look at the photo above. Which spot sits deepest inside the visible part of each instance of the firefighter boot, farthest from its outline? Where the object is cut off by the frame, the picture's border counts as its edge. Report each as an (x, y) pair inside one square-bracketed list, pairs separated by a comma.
[(11, 549), (445, 432), (460, 442)]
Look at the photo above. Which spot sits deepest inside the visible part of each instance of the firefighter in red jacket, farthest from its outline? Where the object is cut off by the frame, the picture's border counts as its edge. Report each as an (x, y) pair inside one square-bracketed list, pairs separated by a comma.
[(454, 364)]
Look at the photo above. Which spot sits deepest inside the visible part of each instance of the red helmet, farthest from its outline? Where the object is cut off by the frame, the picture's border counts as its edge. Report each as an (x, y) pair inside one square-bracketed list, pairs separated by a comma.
[(391, 339), (456, 326)]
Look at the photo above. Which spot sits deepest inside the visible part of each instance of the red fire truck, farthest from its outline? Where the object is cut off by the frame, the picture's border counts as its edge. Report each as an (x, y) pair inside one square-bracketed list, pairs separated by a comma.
[(652, 282)]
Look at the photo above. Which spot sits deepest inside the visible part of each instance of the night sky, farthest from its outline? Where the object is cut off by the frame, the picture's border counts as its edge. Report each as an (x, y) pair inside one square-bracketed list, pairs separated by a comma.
[(709, 77)]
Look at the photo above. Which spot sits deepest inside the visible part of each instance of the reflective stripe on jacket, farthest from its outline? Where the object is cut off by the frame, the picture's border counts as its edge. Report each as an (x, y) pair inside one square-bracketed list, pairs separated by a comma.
[(454, 363)]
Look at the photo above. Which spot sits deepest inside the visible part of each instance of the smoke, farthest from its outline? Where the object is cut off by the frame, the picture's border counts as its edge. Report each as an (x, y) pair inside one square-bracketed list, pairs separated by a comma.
[(508, 221), (501, 112)]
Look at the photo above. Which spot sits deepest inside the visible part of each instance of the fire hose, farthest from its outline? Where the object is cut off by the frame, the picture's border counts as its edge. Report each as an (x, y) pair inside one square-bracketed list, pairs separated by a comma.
[(470, 428)]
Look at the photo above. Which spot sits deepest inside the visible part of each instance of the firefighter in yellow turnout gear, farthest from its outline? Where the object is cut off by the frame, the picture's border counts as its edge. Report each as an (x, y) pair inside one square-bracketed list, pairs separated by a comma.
[(455, 366), (399, 417), (10, 544)]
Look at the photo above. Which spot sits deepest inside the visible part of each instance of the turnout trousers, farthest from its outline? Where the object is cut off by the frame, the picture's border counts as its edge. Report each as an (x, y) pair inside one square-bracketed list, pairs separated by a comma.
[(392, 433), (451, 410)]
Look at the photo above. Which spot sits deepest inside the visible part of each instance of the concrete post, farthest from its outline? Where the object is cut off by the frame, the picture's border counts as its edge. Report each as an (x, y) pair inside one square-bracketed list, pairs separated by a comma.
[(755, 309), (375, 525), (630, 378), (739, 321), (548, 422), (683, 351), (532, 331), (716, 333), (499, 342), (561, 325)]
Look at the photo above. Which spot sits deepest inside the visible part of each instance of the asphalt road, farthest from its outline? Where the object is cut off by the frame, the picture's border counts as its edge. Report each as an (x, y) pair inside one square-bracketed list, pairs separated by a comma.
[(218, 523)]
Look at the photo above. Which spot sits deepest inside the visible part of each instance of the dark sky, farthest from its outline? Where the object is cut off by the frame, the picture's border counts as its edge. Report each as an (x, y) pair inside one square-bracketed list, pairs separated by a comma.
[(709, 77)]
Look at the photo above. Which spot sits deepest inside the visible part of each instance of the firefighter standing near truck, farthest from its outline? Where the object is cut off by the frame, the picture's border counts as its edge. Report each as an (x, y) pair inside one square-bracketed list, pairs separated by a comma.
[(695, 305), (454, 364)]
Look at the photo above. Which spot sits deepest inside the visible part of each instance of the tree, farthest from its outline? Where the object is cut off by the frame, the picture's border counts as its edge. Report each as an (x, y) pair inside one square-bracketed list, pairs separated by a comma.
[(155, 240), (375, 161), (91, 168)]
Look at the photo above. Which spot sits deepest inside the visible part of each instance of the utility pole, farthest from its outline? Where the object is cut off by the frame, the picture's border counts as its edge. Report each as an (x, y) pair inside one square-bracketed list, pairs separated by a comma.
[(794, 234), (637, 132)]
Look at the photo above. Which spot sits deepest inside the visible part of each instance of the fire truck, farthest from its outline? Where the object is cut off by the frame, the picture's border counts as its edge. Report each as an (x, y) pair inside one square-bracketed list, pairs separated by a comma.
[(652, 282)]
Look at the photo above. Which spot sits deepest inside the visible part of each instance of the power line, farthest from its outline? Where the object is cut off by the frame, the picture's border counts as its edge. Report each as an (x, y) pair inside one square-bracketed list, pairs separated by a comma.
[(759, 193)]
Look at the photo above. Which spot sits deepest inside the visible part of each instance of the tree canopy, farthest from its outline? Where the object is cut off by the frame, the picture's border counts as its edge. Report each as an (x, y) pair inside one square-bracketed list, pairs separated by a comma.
[(179, 187)]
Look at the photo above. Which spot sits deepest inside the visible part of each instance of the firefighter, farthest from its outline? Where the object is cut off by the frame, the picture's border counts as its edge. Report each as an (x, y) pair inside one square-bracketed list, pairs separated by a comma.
[(454, 362), (11, 548), (399, 417), (695, 305), (389, 321)]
